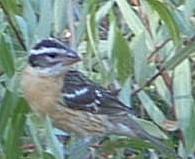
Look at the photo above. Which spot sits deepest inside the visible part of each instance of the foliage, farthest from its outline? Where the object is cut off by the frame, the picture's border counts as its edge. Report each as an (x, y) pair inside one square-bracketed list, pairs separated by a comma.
[(145, 46)]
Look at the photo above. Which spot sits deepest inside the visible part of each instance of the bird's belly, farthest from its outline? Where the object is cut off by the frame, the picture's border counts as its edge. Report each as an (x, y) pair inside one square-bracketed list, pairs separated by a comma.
[(80, 122), (41, 93)]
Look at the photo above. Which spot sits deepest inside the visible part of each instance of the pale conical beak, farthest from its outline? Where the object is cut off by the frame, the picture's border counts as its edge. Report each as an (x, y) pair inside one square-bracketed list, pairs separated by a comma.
[(70, 57)]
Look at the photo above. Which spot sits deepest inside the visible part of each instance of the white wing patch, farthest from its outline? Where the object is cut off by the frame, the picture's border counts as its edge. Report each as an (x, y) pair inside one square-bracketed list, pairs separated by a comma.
[(76, 93), (98, 93), (81, 91), (97, 101), (69, 95)]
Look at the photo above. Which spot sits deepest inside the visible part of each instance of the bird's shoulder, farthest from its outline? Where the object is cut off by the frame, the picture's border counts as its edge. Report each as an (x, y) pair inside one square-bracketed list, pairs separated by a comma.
[(80, 92)]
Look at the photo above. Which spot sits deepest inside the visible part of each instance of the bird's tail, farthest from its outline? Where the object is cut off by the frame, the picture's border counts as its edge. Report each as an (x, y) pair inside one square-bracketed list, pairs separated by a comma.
[(136, 131), (159, 145)]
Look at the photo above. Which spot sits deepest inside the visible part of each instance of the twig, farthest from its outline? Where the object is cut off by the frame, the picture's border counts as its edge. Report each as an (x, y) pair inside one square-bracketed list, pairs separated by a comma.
[(16, 31), (158, 47), (148, 81), (161, 70)]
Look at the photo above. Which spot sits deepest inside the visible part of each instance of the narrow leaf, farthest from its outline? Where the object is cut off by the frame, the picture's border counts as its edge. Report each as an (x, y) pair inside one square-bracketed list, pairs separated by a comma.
[(163, 90), (60, 16), (104, 10), (124, 59), (17, 124), (7, 109), (34, 133), (153, 111), (56, 147), (130, 16), (6, 55), (24, 29), (183, 100), (30, 19), (140, 51), (167, 17), (10, 5), (44, 26), (180, 55), (151, 128)]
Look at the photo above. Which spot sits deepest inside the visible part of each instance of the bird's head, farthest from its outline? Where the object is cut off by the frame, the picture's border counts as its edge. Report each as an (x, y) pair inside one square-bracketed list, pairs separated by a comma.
[(51, 57)]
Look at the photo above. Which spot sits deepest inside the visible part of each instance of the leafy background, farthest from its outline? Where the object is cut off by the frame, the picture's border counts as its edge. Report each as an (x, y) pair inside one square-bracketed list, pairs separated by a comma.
[(142, 47)]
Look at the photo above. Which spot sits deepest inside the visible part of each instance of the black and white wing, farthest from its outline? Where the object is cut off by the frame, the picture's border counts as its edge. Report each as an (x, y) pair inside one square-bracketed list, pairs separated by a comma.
[(83, 94)]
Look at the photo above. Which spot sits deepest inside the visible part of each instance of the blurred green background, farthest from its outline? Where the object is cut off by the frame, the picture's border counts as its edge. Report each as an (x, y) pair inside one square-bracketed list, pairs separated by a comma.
[(144, 48)]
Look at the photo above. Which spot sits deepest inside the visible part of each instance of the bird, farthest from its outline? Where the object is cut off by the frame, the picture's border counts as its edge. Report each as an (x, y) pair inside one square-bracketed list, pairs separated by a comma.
[(75, 103)]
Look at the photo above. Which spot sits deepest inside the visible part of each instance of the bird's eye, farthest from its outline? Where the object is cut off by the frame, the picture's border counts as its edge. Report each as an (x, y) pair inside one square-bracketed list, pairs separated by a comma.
[(52, 55)]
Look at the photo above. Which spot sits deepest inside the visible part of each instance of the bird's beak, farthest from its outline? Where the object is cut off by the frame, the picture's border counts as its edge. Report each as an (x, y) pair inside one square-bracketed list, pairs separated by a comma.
[(70, 57)]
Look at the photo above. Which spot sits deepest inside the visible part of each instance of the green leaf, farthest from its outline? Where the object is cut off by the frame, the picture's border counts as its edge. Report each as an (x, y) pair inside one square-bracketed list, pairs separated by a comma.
[(111, 146), (6, 54), (153, 111), (151, 128), (12, 120), (7, 109), (34, 133), (125, 92), (189, 132), (56, 147), (15, 130), (163, 90), (167, 17), (183, 101), (140, 50), (24, 29), (60, 16), (28, 22), (130, 16), (91, 33), (183, 20), (103, 11), (94, 44), (45, 20), (10, 5), (180, 55), (81, 27), (111, 37), (3, 23), (133, 20), (123, 55), (48, 156), (79, 149)]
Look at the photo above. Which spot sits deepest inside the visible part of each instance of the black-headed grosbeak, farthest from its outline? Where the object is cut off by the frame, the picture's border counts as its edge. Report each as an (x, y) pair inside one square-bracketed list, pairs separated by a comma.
[(75, 103)]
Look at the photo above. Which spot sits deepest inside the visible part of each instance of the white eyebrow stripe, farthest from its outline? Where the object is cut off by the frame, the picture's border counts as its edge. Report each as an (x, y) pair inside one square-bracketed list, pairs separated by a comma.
[(47, 50)]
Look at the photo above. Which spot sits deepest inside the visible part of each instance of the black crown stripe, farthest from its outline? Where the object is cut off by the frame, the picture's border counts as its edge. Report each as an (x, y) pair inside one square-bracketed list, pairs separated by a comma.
[(49, 44)]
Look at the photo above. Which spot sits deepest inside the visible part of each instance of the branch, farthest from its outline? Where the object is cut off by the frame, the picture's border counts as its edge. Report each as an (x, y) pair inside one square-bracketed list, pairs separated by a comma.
[(158, 47), (161, 70), (148, 81), (14, 28)]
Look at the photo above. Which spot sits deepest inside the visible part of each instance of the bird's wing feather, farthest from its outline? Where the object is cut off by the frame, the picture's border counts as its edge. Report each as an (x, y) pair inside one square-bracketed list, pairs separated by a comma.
[(81, 93)]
